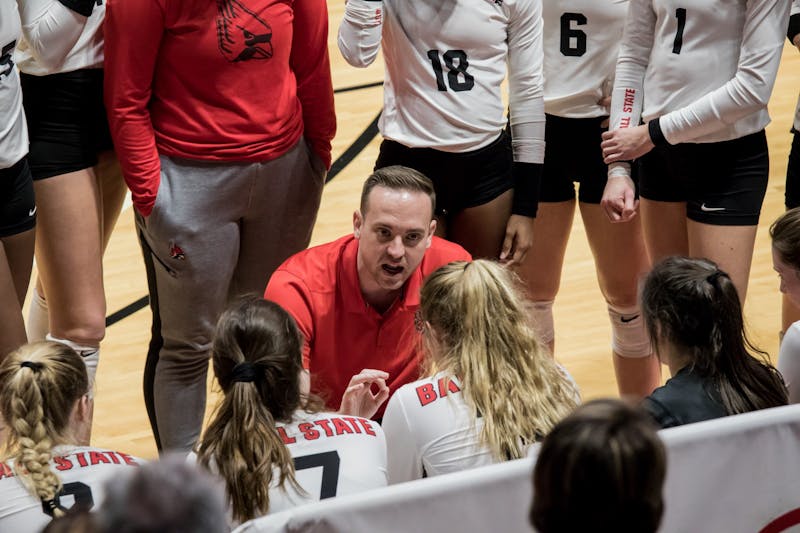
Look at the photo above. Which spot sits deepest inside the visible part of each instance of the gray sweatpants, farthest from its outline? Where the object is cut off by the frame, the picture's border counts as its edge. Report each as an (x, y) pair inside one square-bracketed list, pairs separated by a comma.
[(217, 230)]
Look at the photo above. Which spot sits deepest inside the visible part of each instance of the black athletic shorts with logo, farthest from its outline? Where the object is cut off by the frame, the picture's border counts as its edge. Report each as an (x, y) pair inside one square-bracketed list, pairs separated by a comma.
[(67, 122), (461, 180), (722, 183), (573, 154), (17, 203)]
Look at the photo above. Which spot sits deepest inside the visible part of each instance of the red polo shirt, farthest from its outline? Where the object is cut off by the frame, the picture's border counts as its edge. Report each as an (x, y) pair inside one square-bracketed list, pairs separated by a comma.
[(344, 335)]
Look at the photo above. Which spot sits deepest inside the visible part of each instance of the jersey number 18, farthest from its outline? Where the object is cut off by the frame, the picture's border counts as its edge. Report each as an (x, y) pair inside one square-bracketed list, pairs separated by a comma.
[(453, 70)]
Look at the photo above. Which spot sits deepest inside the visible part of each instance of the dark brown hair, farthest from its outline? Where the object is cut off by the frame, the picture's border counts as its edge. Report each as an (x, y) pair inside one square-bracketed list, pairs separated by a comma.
[(785, 233), (600, 469), (260, 338), (694, 306)]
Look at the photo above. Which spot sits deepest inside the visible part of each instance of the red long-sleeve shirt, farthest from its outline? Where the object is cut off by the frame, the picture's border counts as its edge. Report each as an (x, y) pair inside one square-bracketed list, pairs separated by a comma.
[(225, 80)]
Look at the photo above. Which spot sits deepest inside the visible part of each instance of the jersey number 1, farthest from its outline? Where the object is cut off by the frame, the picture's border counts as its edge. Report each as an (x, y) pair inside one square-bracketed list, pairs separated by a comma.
[(329, 461), (570, 36), (680, 14), (453, 70)]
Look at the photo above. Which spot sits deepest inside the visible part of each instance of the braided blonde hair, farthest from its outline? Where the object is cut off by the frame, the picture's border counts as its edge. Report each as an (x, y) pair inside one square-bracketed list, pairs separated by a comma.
[(39, 385), (481, 335)]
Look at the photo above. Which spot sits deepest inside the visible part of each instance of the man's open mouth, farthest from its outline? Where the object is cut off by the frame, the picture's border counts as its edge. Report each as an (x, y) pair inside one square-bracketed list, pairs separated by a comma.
[(392, 270)]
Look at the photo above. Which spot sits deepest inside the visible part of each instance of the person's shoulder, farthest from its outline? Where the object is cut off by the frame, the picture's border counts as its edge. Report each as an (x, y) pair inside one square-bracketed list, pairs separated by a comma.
[(792, 336), (442, 252), (318, 264)]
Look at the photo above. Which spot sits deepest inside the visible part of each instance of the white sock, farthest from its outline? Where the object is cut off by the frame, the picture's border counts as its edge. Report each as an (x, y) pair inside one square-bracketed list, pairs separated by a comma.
[(38, 324), (90, 355)]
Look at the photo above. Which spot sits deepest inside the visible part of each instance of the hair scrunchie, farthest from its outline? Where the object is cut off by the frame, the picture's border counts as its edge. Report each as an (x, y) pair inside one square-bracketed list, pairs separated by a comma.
[(243, 373), (32, 365)]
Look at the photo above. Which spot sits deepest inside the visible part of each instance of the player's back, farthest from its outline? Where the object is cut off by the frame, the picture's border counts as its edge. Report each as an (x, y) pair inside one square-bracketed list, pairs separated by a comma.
[(83, 471), (334, 455)]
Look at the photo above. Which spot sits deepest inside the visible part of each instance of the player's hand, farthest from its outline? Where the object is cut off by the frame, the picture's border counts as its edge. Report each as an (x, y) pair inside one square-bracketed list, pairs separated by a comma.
[(624, 144), (358, 399), (796, 41), (619, 199), (518, 240)]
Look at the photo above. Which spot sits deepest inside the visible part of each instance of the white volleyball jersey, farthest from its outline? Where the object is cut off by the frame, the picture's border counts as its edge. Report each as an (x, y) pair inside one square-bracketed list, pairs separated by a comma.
[(57, 39), (430, 429), (13, 128), (706, 67), (333, 455), (581, 41), (83, 471), (445, 62)]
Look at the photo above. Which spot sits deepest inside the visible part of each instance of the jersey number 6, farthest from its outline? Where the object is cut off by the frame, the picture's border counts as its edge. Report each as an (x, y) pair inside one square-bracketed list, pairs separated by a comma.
[(570, 35)]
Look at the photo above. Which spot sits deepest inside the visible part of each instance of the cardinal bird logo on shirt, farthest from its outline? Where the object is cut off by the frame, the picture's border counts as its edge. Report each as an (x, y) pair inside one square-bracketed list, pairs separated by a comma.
[(241, 34)]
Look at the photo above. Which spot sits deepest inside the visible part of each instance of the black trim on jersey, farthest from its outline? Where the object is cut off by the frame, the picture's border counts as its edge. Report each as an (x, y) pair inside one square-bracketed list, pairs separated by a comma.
[(81, 7), (527, 182), (656, 135), (794, 27)]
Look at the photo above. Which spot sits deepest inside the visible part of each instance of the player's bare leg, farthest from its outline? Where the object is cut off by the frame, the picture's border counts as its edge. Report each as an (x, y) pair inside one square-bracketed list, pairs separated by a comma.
[(541, 270), (664, 227), (731, 247), (481, 229), (112, 192), (16, 260), (69, 247), (621, 261)]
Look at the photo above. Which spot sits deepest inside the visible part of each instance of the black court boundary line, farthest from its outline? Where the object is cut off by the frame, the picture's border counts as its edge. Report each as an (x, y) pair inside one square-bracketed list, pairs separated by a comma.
[(341, 162)]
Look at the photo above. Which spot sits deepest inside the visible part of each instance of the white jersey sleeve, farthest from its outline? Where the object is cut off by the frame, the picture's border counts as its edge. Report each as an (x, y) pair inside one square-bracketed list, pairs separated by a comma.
[(84, 472), (13, 128), (431, 429), (360, 32), (445, 63), (581, 41), (526, 81), (57, 39), (789, 361), (706, 68), (334, 455)]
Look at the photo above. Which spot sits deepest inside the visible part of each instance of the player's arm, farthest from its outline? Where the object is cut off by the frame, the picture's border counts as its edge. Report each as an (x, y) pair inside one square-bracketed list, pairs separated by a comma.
[(133, 32), (526, 117), (403, 461), (289, 291), (750, 88), (360, 31), (627, 97), (52, 27), (311, 65)]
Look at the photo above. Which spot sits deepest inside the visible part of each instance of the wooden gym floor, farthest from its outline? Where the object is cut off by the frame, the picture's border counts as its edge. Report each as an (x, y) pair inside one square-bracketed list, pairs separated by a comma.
[(582, 328)]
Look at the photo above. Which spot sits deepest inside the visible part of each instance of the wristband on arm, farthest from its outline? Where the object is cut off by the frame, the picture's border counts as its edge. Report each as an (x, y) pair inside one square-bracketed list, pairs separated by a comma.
[(527, 180), (656, 135)]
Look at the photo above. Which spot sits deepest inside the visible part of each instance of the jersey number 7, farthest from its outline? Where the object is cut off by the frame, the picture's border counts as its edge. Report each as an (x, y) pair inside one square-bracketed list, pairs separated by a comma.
[(329, 461)]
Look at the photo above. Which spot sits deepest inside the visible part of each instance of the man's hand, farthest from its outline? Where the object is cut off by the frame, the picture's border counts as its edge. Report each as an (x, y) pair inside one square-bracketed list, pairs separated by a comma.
[(796, 41), (358, 399), (619, 199), (518, 240), (625, 144)]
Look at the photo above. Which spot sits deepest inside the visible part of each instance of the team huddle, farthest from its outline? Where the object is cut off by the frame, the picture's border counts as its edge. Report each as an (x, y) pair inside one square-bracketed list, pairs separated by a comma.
[(423, 342)]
